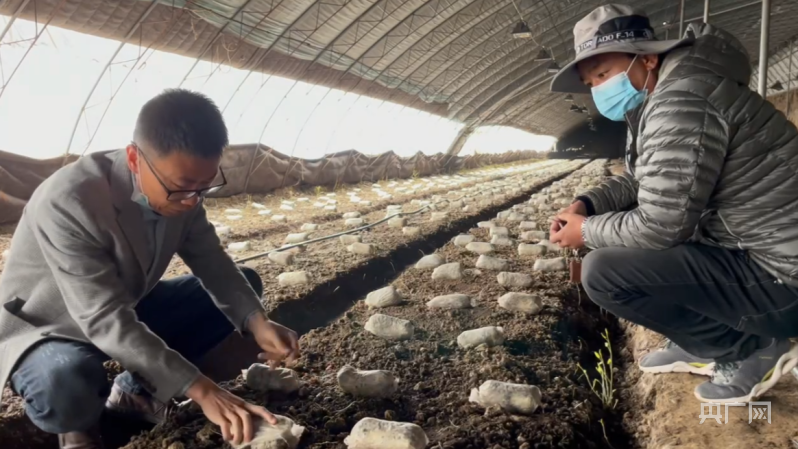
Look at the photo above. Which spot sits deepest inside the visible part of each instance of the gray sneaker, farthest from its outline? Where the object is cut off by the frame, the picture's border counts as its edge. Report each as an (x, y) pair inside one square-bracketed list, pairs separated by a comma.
[(673, 359), (745, 380)]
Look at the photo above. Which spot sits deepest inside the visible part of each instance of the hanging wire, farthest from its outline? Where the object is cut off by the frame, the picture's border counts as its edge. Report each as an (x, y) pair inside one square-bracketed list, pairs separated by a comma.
[(789, 79)]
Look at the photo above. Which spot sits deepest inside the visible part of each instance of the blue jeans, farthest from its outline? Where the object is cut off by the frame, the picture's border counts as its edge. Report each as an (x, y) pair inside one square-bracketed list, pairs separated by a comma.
[(64, 383)]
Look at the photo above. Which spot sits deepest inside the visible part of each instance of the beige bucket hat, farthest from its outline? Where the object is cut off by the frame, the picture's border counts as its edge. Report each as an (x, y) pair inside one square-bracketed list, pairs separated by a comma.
[(610, 29)]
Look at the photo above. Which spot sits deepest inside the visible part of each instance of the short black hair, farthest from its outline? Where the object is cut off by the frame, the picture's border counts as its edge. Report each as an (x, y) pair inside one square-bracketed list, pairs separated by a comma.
[(184, 121)]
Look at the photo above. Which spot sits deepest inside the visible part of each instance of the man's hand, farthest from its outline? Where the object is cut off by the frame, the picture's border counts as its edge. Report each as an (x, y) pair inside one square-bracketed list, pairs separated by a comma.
[(278, 342), (228, 411), (577, 207), (570, 235)]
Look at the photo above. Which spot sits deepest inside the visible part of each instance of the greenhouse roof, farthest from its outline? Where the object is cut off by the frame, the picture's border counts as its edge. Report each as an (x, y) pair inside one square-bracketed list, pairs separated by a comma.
[(454, 58)]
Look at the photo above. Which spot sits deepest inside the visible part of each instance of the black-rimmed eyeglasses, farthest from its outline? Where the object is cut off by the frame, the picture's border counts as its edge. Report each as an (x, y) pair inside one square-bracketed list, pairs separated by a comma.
[(181, 195)]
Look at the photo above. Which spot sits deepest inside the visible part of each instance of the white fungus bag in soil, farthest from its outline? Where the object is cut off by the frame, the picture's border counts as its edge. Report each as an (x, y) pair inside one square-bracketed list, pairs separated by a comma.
[(488, 336), (430, 261), (364, 249), (354, 222), (518, 399), (283, 435), (519, 280), (238, 247), (533, 236), (293, 278), (309, 227), (265, 212), (296, 238), (259, 377), (526, 249), (521, 302), (351, 215), (367, 384), (557, 264), (283, 258), (463, 239), (373, 433), (389, 328), (349, 239), (448, 271), (500, 240), (499, 230), (480, 247), (491, 263), (452, 301), (550, 247), (411, 231), (397, 222), (384, 297)]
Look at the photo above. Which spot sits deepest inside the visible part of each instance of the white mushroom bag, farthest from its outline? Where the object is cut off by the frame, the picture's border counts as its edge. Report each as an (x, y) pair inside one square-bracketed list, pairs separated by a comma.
[(372, 383), (372, 433), (283, 435)]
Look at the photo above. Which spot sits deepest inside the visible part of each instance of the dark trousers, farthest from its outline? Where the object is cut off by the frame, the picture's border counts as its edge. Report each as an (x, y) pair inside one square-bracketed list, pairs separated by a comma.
[(712, 302), (64, 383)]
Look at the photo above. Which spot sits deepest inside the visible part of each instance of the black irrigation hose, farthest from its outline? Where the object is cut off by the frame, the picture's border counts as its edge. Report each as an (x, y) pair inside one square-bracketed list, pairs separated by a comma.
[(332, 236)]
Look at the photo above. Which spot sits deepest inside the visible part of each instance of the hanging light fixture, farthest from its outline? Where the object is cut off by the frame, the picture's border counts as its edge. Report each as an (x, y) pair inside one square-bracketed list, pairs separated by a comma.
[(522, 31), (569, 98), (777, 86), (543, 55), (575, 108), (553, 67)]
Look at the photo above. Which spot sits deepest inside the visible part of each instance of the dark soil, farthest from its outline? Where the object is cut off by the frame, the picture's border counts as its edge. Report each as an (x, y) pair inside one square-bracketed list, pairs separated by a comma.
[(436, 376)]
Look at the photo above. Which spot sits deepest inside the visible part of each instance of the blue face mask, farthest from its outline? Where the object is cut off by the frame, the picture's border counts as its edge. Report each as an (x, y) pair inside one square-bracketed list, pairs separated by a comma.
[(617, 96), (138, 197)]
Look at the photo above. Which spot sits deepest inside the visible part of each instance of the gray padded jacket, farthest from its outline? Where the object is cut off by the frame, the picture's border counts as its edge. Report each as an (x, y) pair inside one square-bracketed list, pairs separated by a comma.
[(708, 160)]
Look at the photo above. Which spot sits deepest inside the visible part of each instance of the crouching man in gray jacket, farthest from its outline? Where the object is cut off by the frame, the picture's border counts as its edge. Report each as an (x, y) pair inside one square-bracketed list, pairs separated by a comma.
[(698, 239), (83, 283)]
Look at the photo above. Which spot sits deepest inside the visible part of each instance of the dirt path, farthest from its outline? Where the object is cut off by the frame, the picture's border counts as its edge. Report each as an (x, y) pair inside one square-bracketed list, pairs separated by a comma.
[(665, 414)]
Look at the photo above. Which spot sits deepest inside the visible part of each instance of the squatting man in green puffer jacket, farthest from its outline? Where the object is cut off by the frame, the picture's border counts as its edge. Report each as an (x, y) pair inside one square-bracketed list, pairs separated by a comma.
[(698, 239)]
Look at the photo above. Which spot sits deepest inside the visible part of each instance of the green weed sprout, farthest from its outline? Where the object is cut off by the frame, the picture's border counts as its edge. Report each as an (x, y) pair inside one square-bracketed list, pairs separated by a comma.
[(602, 385)]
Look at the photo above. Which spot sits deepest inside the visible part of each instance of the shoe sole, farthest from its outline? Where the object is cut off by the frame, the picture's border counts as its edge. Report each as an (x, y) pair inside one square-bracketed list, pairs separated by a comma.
[(680, 367), (786, 363)]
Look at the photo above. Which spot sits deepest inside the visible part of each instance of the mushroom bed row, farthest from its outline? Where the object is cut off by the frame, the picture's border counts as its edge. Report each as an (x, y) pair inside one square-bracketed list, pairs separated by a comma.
[(292, 274)]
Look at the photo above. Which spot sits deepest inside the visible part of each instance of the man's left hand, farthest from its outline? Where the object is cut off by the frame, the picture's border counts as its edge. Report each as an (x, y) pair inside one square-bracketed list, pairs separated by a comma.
[(570, 235), (279, 343)]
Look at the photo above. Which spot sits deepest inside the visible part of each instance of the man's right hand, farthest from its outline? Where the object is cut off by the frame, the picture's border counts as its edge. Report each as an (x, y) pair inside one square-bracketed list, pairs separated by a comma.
[(577, 207), (231, 413)]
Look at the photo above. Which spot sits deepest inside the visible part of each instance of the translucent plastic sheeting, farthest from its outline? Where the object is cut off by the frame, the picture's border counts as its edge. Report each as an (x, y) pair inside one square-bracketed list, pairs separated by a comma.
[(39, 108), (501, 139)]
